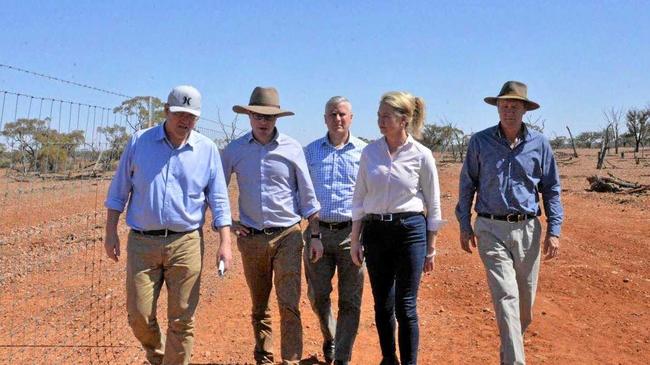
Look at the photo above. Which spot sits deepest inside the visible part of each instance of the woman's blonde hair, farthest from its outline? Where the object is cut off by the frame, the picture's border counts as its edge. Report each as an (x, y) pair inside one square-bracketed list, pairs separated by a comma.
[(412, 107)]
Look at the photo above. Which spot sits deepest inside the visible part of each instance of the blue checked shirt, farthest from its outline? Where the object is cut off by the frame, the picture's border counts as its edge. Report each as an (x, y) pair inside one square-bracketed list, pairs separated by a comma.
[(334, 173), (508, 180), (167, 187), (275, 189)]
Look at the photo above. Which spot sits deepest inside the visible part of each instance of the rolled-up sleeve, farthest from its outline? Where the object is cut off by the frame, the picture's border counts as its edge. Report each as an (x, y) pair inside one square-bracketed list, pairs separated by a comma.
[(550, 189), (307, 195), (360, 188), (467, 186), (120, 188), (217, 192), (431, 191)]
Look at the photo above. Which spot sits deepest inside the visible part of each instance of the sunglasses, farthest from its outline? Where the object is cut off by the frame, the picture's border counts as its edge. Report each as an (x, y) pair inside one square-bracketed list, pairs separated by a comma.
[(268, 118)]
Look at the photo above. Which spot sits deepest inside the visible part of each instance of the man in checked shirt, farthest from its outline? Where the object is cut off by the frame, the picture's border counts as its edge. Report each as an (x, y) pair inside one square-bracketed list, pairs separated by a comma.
[(333, 162)]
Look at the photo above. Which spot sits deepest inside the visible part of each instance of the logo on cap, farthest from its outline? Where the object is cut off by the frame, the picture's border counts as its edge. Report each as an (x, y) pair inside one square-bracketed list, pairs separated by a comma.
[(186, 100)]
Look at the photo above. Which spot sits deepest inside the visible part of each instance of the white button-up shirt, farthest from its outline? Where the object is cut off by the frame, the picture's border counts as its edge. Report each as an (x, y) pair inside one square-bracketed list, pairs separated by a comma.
[(405, 182)]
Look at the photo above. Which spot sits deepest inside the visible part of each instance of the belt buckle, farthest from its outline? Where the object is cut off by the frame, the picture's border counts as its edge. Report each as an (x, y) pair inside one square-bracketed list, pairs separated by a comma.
[(166, 232), (330, 226), (513, 216), (267, 231), (386, 217)]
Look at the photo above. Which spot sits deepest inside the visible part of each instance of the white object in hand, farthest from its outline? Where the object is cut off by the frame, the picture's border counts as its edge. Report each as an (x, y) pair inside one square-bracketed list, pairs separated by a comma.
[(222, 268)]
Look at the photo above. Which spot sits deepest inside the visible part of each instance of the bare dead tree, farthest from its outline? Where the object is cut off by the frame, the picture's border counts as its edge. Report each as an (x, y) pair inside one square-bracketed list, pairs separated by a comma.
[(573, 143), (230, 130), (537, 123), (604, 146), (613, 117), (637, 125)]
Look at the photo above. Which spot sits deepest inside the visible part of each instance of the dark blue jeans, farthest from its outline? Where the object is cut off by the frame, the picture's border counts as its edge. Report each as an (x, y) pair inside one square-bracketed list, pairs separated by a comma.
[(395, 253)]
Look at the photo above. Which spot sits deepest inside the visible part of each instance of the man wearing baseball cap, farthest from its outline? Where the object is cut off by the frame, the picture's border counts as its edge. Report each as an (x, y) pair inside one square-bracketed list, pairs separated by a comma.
[(168, 175), (505, 167), (275, 194)]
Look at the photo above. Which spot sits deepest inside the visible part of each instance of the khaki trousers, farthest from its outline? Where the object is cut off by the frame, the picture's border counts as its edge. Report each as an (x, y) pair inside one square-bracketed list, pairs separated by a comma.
[(175, 260), (336, 257), (274, 260), (511, 254)]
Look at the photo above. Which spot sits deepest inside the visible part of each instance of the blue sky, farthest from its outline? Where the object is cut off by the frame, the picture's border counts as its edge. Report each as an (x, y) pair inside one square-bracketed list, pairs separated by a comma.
[(578, 57)]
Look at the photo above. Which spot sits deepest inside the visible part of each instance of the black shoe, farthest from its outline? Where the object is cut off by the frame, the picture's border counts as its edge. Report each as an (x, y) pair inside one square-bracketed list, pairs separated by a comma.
[(328, 351), (389, 361), (341, 362)]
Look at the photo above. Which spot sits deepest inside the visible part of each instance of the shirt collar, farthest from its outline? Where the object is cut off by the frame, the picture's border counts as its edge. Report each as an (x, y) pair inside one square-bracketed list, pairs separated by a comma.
[(523, 132), (409, 141), (276, 137), (351, 140), (161, 135)]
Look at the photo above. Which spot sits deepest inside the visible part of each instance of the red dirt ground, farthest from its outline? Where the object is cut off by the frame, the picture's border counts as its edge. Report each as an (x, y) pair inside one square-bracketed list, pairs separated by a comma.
[(63, 303)]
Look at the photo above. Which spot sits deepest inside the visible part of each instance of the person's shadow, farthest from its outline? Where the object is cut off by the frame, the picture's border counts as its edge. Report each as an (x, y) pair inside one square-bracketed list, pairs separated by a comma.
[(313, 360)]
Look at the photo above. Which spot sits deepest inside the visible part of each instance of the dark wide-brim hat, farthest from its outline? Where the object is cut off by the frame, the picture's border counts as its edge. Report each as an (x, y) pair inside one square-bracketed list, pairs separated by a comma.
[(265, 101), (513, 90)]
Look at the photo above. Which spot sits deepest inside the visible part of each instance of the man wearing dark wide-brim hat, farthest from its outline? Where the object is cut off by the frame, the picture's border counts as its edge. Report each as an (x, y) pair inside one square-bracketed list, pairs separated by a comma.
[(275, 194), (505, 167)]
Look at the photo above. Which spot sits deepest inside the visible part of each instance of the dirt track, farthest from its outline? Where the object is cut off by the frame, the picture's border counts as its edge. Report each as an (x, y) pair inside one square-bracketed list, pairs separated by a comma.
[(593, 304)]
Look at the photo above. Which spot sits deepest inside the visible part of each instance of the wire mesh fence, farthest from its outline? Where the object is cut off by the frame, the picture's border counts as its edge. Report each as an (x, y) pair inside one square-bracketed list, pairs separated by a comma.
[(61, 301)]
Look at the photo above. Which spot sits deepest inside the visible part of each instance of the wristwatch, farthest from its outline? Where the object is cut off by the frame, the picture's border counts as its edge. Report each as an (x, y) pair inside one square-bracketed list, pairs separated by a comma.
[(317, 235)]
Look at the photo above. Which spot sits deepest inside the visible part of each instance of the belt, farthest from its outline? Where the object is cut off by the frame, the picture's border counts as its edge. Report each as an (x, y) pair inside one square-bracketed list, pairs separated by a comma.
[(335, 225), (390, 217), (510, 218), (267, 231), (160, 232)]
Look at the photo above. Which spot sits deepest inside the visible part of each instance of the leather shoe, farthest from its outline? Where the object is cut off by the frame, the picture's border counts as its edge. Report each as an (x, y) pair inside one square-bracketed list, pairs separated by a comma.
[(341, 362), (328, 351)]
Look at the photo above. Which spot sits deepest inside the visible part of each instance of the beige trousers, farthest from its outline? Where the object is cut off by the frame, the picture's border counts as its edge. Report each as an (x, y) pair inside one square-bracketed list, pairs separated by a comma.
[(175, 260), (274, 260), (511, 254)]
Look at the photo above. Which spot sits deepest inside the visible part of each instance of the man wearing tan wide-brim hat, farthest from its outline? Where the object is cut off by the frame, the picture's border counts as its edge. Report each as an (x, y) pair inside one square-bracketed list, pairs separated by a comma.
[(505, 167), (275, 194)]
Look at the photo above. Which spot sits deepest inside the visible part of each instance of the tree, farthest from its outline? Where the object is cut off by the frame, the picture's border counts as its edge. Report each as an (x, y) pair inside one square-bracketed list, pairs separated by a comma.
[(117, 138), (587, 139), (536, 124), (230, 132), (22, 137), (613, 117), (39, 147), (138, 108), (445, 137), (559, 142), (637, 125)]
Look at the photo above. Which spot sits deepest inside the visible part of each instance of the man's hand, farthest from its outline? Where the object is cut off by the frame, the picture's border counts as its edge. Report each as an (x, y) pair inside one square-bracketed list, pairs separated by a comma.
[(112, 244), (240, 230), (465, 239), (551, 246), (356, 251), (315, 249), (429, 263), (225, 250)]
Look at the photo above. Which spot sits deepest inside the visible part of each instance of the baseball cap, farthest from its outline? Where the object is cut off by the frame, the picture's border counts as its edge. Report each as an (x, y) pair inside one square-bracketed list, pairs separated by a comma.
[(185, 98)]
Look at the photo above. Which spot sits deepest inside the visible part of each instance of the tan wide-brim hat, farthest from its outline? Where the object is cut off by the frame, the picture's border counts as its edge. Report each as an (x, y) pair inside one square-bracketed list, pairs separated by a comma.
[(265, 101), (513, 90)]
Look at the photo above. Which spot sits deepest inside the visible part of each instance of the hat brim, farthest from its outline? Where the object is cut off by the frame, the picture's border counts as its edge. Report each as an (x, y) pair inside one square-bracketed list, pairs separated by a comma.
[(264, 110), (176, 109), (530, 105)]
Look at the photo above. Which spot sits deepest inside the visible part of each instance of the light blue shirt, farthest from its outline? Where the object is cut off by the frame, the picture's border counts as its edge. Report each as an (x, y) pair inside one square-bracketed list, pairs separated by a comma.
[(275, 189), (334, 173), (167, 187), (508, 180)]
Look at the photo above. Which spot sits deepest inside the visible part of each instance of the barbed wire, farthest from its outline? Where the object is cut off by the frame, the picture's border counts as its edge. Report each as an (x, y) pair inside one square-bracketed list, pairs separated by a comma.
[(64, 81)]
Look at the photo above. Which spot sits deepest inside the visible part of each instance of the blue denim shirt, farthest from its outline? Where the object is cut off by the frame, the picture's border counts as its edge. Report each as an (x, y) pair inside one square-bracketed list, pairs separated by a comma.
[(275, 189), (168, 187), (334, 173), (508, 180)]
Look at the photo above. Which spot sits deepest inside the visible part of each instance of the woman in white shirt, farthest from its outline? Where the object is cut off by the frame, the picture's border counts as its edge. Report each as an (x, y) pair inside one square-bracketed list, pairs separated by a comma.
[(397, 182)]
